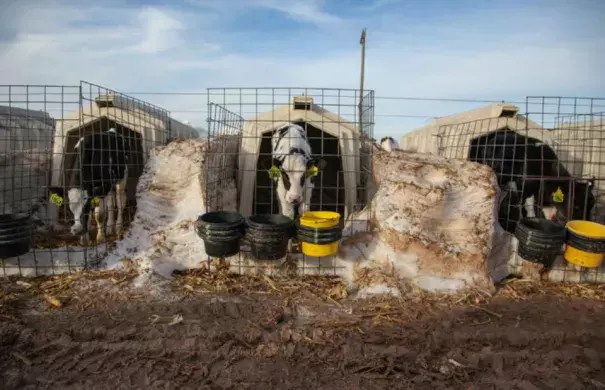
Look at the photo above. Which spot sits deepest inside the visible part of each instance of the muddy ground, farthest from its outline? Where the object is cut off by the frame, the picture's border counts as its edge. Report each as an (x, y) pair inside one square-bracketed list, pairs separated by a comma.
[(180, 338)]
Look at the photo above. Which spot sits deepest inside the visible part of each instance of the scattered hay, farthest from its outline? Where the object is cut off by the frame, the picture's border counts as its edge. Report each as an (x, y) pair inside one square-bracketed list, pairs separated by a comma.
[(375, 273), (522, 289), (61, 290), (56, 239), (64, 239), (202, 280), (381, 310), (85, 289)]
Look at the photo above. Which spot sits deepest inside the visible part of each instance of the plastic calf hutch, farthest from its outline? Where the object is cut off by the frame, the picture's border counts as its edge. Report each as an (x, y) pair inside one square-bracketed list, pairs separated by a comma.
[(315, 119)]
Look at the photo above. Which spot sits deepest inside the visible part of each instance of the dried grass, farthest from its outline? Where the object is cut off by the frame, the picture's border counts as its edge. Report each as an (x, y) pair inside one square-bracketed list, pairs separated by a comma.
[(80, 291), (64, 239), (201, 280), (520, 289), (415, 304), (375, 273), (58, 290), (383, 310)]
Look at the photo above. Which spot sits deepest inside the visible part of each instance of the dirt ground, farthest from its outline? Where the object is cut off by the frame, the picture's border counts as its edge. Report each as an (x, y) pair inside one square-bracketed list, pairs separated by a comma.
[(96, 332)]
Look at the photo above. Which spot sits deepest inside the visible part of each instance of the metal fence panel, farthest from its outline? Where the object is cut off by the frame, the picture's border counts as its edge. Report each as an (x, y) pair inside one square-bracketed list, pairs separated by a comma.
[(39, 129), (241, 122), (568, 132)]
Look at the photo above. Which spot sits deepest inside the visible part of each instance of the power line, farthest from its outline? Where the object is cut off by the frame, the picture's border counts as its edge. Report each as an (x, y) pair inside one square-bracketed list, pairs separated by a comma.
[(410, 98), (538, 100), (253, 113)]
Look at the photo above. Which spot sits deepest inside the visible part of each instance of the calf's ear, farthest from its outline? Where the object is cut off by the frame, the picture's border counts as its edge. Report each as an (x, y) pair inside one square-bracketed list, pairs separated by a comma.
[(321, 164), (317, 163), (55, 190), (265, 163), (268, 162)]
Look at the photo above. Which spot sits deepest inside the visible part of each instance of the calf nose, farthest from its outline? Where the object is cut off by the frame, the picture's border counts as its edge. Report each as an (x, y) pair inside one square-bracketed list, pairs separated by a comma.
[(295, 199), (76, 229)]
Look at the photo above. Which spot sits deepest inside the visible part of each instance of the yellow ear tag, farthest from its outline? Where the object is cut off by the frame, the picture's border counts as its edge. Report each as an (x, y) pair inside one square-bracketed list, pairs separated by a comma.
[(95, 201), (312, 171), (56, 199), (274, 172), (558, 196)]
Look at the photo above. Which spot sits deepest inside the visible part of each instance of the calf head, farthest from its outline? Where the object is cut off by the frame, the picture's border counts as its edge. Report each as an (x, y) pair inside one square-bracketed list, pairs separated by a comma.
[(293, 171), (79, 205), (584, 200), (567, 202)]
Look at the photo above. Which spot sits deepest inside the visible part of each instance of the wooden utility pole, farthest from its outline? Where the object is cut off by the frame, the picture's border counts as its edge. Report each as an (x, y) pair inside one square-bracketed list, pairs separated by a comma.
[(362, 42)]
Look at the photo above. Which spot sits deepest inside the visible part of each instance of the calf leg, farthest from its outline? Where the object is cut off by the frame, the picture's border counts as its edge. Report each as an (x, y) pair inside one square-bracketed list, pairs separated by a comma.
[(89, 224), (100, 219), (85, 237), (529, 207), (121, 204), (110, 210)]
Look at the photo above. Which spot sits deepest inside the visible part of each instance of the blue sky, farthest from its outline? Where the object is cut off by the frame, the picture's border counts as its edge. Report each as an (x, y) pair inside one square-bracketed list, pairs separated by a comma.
[(464, 49)]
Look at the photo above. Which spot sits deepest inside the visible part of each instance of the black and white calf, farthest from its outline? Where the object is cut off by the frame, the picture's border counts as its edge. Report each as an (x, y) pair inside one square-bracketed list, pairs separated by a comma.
[(293, 168), (100, 181), (546, 191), (531, 173)]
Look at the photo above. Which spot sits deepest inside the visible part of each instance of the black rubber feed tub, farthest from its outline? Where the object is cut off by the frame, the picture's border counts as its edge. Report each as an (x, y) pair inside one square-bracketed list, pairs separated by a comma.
[(269, 234), (590, 245), (221, 232), (15, 235), (318, 235), (540, 240)]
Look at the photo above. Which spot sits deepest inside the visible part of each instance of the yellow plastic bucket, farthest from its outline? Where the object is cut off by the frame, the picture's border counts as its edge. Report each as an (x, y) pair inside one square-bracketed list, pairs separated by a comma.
[(324, 227), (319, 250), (585, 245)]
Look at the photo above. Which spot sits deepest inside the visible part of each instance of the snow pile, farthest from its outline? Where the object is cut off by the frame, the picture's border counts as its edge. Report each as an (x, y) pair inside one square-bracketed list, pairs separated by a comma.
[(433, 221), (431, 225), (170, 198)]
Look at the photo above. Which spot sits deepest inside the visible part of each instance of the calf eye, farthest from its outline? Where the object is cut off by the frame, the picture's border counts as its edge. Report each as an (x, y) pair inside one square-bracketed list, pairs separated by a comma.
[(284, 175)]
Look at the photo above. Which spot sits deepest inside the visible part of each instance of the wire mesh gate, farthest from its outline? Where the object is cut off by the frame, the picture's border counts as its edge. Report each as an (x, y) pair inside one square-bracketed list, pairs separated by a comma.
[(569, 134), (339, 129), (224, 135), (40, 127)]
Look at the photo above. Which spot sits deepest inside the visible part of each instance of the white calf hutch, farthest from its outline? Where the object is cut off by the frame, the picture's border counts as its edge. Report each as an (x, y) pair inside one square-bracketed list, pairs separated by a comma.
[(143, 125), (332, 138), (454, 136), (451, 136)]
